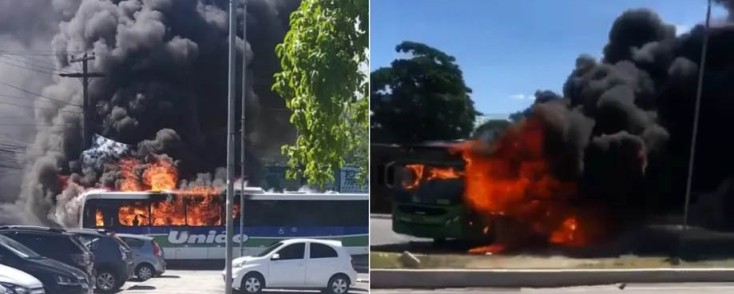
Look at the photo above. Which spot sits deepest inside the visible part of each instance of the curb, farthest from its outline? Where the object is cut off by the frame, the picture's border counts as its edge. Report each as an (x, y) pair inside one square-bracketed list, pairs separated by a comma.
[(381, 216), (447, 278)]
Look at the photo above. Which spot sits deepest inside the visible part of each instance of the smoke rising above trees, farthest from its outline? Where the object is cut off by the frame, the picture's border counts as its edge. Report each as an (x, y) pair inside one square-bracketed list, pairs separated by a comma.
[(164, 90)]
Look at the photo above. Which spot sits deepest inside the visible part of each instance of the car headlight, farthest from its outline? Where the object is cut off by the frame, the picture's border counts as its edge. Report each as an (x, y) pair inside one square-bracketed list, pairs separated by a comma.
[(13, 289), (66, 281), (240, 263)]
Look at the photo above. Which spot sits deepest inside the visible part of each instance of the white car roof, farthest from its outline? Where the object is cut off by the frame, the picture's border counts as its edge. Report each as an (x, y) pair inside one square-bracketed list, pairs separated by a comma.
[(334, 243)]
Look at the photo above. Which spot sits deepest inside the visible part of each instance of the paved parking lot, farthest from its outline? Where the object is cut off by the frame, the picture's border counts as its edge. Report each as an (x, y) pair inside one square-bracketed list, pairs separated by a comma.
[(203, 282)]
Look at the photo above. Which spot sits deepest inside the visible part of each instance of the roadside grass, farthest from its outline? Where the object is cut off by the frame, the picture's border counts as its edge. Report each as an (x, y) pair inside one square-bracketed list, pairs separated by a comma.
[(391, 260)]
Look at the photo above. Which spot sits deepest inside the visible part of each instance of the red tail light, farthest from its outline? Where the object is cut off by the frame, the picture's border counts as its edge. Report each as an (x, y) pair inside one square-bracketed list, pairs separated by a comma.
[(156, 249)]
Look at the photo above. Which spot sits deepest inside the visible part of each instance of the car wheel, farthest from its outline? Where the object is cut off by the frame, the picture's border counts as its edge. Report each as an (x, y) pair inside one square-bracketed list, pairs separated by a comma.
[(252, 283), (144, 272), (338, 284), (106, 281)]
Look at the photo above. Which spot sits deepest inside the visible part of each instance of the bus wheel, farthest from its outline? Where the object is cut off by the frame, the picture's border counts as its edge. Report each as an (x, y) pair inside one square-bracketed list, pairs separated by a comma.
[(252, 283)]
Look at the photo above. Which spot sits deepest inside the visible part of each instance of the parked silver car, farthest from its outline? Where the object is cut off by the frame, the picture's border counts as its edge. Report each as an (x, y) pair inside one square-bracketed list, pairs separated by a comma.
[(148, 258)]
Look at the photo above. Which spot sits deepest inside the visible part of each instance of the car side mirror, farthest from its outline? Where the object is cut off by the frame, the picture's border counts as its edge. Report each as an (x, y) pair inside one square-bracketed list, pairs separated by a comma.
[(275, 257)]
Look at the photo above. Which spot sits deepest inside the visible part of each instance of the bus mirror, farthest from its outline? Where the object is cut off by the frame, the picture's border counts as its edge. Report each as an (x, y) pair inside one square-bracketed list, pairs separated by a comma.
[(275, 257)]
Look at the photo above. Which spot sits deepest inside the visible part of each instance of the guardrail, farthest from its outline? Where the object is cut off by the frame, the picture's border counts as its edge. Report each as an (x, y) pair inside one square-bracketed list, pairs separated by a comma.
[(497, 278)]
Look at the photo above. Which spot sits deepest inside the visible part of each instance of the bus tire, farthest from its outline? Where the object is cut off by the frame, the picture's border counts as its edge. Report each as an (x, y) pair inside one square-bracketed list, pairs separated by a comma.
[(252, 283), (338, 284)]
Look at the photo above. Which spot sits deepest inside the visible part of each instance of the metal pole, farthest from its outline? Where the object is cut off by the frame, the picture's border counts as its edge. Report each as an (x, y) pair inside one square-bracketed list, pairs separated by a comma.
[(242, 126), (230, 148), (694, 135), (85, 105)]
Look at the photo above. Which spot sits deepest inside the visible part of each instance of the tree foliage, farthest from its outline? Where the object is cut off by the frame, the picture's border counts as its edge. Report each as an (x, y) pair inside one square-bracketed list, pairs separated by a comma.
[(323, 85), (420, 97)]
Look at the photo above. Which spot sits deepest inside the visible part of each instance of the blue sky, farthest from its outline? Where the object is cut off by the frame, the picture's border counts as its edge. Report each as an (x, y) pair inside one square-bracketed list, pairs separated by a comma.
[(510, 48)]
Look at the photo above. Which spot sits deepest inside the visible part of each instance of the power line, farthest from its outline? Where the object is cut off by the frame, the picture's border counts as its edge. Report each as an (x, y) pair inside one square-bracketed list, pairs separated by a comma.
[(36, 94), (33, 107), (30, 64), (36, 125), (27, 68)]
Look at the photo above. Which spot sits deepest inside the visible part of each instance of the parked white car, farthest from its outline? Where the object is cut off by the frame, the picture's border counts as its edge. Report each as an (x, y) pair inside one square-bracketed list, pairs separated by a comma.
[(16, 281), (296, 264)]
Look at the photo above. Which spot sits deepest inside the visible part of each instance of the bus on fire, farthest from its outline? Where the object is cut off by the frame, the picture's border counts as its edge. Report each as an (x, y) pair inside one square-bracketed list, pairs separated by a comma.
[(191, 226)]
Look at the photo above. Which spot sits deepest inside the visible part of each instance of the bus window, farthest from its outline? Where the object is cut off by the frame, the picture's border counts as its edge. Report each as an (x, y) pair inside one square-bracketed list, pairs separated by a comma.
[(168, 212), (323, 213), (134, 214), (235, 209), (203, 210)]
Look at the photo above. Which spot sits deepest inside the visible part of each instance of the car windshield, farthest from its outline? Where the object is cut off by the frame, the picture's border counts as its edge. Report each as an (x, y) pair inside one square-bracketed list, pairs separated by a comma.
[(269, 249), (19, 249)]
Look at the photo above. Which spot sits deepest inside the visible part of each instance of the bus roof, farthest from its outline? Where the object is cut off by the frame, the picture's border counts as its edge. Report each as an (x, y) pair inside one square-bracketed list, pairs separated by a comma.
[(255, 196)]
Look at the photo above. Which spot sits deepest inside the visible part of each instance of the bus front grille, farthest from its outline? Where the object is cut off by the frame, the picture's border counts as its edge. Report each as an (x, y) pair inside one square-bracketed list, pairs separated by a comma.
[(421, 210)]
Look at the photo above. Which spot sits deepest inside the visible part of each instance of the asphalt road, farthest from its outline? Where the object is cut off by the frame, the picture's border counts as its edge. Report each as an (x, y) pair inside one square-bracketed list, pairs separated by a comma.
[(381, 232), (204, 282), (712, 288)]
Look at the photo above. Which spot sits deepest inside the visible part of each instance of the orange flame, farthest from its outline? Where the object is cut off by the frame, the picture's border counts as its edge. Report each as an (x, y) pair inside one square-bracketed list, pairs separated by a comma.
[(195, 206), (99, 218), (418, 174), (513, 180)]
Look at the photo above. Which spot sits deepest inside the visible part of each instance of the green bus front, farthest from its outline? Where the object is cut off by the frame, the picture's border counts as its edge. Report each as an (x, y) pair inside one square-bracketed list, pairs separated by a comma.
[(432, 207)]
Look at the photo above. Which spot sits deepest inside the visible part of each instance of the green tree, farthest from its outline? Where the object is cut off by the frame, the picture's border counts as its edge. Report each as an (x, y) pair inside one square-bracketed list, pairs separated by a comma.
[(420, 97), (323, 84)]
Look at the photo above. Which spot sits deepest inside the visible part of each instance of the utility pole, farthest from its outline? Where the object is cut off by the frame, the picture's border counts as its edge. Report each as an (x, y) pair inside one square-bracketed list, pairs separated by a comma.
[(694, 135), (231, 135), (242, 127), (86, 112)]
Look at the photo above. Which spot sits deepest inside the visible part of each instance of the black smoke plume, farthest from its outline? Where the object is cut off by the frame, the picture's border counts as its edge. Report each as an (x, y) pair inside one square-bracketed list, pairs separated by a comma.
[(164, 91), (623, 125)]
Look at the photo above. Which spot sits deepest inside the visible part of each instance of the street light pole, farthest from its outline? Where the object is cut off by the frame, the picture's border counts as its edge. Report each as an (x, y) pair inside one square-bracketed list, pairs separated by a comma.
[(242, 122), (697, 109), (231, 133)]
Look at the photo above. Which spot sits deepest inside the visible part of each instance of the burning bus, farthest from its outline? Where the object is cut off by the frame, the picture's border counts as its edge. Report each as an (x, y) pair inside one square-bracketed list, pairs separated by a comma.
[(427, 186), (190, 224), (503, 193)]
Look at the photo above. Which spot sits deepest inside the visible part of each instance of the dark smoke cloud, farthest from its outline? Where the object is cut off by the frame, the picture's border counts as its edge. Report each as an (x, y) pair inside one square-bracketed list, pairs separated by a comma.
[(164, 92), (623, 124)]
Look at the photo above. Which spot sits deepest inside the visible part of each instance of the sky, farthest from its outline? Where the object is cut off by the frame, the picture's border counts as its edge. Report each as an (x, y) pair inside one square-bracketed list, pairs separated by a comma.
[(508, 49)]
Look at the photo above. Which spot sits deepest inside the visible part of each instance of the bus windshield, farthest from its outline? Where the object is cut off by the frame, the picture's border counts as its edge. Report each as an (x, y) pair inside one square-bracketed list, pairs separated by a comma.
[(431, 183)]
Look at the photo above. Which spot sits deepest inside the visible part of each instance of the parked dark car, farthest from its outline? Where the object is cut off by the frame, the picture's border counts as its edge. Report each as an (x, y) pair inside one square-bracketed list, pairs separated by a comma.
[(53, 243), (113, 259), (57, 277), (149, 258)]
